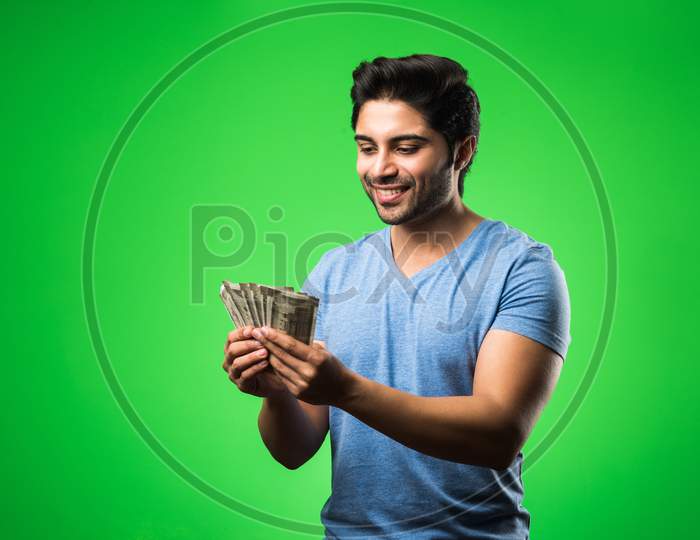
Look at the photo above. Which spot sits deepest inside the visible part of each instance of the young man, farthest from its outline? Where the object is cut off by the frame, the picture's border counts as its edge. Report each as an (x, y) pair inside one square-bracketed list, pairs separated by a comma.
[(440, 338)]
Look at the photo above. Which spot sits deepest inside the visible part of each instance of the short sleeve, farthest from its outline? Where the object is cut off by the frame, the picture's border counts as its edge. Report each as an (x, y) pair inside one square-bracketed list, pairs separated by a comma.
[(314, 286), (535, 300)]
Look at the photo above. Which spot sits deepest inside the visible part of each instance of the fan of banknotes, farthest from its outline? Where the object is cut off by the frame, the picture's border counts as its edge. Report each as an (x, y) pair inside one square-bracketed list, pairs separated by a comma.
[(277, 307)]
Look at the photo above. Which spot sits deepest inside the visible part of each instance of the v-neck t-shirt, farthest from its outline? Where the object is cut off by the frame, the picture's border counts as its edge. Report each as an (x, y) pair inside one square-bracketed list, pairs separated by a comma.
[(421, 334)]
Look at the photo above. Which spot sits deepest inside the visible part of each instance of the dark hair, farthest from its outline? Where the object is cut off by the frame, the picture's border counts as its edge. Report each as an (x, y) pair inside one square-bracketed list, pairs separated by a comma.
[(433, 85)]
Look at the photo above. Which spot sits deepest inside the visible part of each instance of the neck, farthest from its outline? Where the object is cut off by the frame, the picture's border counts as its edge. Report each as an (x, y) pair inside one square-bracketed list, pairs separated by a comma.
[(441, 231)]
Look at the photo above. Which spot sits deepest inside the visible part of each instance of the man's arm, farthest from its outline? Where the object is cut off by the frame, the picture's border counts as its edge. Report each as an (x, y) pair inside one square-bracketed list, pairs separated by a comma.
[(292, 430), (513, 381)]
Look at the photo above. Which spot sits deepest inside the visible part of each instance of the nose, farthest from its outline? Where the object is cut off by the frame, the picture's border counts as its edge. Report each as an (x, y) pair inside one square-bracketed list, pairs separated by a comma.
[(382, 165)]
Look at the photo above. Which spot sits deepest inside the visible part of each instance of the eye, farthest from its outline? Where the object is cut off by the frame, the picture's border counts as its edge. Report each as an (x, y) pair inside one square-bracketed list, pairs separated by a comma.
[(401, 149)]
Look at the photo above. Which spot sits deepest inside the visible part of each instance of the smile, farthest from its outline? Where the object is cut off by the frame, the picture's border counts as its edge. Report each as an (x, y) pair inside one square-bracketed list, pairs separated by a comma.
[(390, 194)]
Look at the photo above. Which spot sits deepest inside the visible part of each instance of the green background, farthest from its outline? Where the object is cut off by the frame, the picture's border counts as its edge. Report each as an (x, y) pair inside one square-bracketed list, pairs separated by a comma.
[(265, 122)]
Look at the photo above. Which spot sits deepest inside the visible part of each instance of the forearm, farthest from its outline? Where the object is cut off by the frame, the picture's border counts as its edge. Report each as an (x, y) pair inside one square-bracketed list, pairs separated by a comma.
[(287, 431), (464, 429)]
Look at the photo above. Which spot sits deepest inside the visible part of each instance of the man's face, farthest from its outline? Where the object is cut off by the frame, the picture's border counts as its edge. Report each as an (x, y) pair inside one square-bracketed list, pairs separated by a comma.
[(403, 164)]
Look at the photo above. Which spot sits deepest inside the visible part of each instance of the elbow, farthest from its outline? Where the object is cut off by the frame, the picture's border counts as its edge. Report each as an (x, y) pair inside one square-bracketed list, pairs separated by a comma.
[(503, 462), (507, 449), (292, 461), (289, 461), (292, 465), (286, 459)]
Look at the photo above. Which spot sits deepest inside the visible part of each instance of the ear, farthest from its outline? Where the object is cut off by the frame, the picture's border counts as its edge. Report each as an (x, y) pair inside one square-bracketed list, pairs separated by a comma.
[(464, 152)]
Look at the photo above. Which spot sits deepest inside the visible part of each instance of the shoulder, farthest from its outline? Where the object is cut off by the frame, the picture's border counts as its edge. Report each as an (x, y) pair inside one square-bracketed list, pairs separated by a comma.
[(514, 250), (514, 242), (526, 266), (534, 299)]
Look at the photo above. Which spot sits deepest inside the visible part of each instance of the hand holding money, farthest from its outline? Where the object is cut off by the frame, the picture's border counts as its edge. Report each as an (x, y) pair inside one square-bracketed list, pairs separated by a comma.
[(246, 360), (251, 305)]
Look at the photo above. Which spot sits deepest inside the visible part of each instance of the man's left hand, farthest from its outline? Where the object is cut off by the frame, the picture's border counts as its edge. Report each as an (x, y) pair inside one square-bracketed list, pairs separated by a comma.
[(310, 372)]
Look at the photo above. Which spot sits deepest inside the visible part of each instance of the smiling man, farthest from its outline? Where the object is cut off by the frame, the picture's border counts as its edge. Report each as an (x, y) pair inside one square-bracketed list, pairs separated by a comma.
[(439, 338)]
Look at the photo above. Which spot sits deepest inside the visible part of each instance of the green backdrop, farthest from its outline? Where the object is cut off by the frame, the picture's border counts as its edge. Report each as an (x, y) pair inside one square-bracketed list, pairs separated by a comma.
[(139, 434)]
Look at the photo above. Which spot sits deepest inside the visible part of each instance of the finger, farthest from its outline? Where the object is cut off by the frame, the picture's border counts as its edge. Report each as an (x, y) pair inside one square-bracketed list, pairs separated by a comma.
[(241, 363), (299, 366), (234, 335), (239, 348), (253, 370), (288, 383), (285, 372), (293, 346), (246, 385), (243, 332), (318, 344)]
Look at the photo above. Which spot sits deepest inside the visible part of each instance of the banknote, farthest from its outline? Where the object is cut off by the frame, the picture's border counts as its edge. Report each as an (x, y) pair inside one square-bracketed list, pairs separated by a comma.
[(281, 308), (233, 311), (237, 299)]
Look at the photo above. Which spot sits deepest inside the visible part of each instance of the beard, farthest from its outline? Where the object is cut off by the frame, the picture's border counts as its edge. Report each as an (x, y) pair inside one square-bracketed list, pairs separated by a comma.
[(417, 204)]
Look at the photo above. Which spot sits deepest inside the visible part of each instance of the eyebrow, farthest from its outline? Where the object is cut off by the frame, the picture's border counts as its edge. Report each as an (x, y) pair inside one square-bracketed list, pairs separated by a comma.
[(395, 139)]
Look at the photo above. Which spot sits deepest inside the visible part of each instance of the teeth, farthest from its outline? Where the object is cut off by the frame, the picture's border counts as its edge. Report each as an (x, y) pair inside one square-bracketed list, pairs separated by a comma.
[(390, 191)]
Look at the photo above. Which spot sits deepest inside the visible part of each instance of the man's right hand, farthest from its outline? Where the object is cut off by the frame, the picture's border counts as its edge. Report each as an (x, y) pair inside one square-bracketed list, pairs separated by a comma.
[(247, 366)]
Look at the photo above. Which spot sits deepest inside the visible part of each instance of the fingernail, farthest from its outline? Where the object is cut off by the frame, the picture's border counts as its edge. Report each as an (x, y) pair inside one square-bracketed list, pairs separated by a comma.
[(262, 352), (246, 332), (257, 334), (265, 330)]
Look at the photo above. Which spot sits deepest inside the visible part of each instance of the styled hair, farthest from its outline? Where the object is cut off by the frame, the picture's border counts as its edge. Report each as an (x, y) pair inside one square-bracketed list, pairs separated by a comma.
[(435, 86)]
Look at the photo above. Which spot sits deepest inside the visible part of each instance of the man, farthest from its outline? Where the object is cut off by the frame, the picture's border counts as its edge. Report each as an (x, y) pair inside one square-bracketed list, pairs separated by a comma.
[(440, 338)]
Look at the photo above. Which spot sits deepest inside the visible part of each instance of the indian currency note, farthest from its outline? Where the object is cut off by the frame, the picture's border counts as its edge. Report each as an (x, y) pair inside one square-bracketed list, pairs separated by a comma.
[(258, 300), (278, 307), (231, 307), (249, 294), (234, 290), (295, 314)]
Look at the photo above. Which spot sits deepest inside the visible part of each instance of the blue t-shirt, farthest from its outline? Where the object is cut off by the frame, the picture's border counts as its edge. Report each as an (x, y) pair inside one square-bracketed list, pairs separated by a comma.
[(422, 335)]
